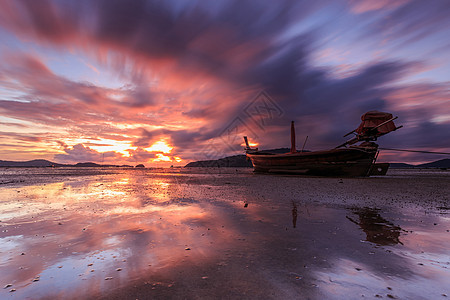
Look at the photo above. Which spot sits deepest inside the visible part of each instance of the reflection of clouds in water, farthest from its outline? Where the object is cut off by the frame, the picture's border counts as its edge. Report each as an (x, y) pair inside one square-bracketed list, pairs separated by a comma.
[(348, 276), (124, 180), (9, 247), (90, 219), (149, 220), (31, 200), (66, 276), (430, 241), (418, 265)]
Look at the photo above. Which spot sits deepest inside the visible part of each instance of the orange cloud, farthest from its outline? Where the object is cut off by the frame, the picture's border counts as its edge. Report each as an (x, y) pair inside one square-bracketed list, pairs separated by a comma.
[(184, 77)]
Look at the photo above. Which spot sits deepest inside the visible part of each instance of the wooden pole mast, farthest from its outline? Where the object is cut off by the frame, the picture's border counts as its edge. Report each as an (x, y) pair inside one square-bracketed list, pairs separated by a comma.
[(293, 150)]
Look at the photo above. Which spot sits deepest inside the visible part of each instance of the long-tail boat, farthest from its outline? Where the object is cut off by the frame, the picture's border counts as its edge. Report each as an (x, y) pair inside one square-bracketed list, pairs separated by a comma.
[(356, 157)]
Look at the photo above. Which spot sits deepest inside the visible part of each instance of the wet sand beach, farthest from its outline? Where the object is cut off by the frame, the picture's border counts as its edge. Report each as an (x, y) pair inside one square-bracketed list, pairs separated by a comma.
[(222, 234)]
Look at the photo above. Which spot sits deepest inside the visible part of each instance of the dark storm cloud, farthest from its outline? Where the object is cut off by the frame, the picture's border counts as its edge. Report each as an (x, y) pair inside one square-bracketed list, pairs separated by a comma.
[(422, 135), (140, 155), (81, 153), (415, 20), (200, 36), (241, 44), (145, 139)]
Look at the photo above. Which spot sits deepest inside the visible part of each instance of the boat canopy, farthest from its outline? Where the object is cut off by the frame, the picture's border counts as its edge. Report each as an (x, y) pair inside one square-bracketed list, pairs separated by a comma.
[(374, 124), (371, 122)]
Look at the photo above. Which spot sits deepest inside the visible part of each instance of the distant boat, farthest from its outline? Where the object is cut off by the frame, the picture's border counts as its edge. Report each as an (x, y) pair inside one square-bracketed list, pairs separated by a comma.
[(356, 157)]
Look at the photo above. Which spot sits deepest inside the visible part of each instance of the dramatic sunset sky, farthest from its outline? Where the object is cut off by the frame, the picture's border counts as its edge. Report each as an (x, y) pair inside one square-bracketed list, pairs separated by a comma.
[(167, 82)]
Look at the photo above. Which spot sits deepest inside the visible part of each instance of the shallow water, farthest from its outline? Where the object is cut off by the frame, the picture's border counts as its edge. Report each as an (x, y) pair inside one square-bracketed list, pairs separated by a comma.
[(72, 233)]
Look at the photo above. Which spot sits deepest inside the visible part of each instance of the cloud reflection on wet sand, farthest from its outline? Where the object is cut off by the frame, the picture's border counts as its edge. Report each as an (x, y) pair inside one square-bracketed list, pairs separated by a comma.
[(185, 235), (73, 225)]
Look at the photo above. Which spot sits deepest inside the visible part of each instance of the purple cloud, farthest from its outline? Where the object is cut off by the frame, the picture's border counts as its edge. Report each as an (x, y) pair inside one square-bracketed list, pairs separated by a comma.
[(189, 69)]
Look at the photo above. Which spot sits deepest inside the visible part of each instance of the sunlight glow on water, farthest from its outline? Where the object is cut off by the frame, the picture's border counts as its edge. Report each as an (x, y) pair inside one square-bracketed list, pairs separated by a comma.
[(69, 236)]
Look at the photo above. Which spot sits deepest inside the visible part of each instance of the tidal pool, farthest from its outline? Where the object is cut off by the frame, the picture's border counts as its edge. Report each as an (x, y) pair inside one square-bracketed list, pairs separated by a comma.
[(196, 234)]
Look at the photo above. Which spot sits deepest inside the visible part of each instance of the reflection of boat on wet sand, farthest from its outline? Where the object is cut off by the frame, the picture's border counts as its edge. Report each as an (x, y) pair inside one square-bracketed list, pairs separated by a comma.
[(347, 159), (378, 230)]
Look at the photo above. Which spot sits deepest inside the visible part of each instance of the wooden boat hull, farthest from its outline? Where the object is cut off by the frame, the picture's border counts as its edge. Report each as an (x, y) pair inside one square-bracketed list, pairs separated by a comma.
[(349, 162), (379, 169)]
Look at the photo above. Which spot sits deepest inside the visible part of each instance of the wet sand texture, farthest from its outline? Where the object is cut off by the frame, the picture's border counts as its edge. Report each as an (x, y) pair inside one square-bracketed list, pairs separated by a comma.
[(222, 234)]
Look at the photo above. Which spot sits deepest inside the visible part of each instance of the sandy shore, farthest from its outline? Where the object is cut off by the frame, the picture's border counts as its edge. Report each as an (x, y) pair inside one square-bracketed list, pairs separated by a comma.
[(223, 233)]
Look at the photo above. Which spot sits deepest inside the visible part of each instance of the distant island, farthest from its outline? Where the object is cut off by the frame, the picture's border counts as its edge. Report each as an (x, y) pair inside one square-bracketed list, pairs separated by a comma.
[(235, 161), (42, 163), (438, 164), (240, 161)]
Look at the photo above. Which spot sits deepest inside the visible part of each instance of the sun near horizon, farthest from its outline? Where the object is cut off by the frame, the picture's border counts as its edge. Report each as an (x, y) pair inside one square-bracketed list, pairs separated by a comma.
[(162, 83)]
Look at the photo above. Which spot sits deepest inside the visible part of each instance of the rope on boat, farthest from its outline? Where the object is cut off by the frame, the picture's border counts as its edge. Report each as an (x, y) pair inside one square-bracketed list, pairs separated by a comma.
[(418, 151)]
